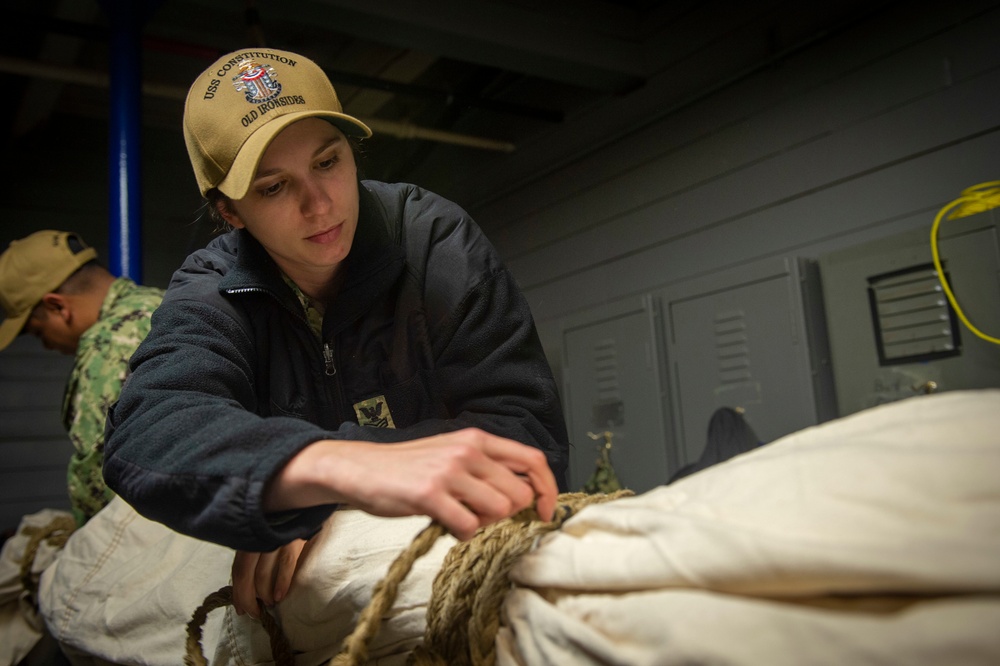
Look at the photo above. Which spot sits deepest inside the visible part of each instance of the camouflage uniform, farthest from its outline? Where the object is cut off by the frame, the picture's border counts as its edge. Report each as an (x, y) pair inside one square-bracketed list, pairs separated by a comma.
[(98, 372), (313, 315)]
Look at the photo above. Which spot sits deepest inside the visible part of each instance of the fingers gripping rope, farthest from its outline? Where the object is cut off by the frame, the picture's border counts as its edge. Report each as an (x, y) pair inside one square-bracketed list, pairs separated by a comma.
[(194, 656), (463, 614)]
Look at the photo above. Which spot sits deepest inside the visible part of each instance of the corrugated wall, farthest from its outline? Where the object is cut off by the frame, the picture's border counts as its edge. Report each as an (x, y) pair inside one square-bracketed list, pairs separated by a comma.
[(861, 135), (34, 448)]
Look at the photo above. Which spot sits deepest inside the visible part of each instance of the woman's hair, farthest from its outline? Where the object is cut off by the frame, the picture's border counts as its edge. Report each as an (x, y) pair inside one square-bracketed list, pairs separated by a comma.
[(214, 198), (210, 209)]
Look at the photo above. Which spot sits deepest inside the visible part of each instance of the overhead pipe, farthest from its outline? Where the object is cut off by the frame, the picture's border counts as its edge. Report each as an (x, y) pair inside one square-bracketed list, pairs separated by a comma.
[(400, 130)]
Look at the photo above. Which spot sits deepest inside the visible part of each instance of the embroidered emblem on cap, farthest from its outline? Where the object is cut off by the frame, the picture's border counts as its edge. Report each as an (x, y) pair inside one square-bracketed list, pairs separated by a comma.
[(259, 83)]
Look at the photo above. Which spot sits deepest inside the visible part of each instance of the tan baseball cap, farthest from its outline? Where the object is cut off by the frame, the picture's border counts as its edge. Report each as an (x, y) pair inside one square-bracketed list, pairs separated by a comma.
[(239, 104), (32, 267)]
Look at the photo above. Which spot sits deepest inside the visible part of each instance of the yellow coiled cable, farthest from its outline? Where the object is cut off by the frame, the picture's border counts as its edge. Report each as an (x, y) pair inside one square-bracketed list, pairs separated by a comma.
[(975, 199)]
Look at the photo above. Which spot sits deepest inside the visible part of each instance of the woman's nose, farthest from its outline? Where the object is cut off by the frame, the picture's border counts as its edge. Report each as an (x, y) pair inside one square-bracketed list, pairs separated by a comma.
[(315, 200)]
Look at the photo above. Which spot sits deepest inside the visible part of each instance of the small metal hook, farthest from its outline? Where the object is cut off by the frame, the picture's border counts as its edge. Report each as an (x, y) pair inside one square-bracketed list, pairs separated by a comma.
[(607, 435)]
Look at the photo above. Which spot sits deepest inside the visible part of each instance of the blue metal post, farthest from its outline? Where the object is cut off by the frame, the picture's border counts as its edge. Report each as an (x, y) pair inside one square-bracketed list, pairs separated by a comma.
[(125, 19)]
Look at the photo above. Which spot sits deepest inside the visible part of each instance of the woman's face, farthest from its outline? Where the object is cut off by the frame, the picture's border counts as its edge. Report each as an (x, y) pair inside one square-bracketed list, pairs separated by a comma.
[(302, 205)]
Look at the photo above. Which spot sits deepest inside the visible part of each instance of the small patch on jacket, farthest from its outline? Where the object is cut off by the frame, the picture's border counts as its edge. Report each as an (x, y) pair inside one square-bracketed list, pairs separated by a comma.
[(374, 412)]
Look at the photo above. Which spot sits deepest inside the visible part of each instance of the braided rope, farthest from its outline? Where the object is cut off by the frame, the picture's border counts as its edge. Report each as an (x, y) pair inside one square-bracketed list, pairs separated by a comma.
[(222, 597), (355, 648), (56, 534), (463, 615)]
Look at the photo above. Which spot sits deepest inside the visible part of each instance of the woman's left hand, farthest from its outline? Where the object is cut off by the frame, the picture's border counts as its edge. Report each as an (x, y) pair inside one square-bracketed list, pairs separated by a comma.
[(264, 576)]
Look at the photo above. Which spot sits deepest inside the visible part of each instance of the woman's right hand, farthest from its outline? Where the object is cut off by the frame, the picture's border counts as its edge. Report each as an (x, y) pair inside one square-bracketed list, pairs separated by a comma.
[(465, 479)]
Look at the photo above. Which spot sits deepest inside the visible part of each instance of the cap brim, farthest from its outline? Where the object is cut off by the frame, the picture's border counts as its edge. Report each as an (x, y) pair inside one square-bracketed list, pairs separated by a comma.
[(11, 328), (236, 184)]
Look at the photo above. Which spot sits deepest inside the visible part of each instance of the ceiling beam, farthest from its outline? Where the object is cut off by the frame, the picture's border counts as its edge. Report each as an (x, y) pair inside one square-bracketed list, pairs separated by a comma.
[(101, 79), (92, 31), (39, 101), (529, 40)]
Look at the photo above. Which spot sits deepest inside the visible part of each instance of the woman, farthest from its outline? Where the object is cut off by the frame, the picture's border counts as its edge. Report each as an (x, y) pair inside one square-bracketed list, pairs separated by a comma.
[(337, 317)]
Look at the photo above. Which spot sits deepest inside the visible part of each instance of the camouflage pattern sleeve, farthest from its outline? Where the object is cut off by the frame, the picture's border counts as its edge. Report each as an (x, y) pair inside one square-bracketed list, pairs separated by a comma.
[(96, 379)]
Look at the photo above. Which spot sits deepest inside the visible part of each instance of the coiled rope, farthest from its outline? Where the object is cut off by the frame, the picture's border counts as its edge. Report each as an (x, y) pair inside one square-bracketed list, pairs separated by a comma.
[(194, 656), (463, 614), (56, 533)]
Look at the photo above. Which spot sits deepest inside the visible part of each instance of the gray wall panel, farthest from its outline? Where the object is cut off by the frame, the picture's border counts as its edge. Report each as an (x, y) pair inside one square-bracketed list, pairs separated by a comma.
[(839, 82), (34, 448), (892, 200), (885, 143), (36, 452)]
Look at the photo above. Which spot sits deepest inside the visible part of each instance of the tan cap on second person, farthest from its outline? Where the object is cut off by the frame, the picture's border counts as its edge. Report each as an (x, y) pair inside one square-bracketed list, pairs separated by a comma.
[(240, 103), (32, 267)]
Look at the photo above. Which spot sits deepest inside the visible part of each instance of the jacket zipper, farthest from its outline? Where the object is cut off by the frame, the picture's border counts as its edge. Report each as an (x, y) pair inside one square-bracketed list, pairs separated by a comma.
[(331, 369), (337, 401)]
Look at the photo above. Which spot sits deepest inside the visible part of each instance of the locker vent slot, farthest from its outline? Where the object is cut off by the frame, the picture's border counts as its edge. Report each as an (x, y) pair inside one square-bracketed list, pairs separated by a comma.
[(732, 350), (911, 316), (609, 410)]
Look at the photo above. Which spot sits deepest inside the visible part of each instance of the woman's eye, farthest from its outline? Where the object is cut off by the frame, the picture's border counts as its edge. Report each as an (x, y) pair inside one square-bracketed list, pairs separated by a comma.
[(328, 163), (271, 190)]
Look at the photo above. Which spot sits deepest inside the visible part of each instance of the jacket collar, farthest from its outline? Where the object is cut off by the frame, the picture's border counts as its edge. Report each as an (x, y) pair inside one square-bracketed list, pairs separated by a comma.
[(372, 266)]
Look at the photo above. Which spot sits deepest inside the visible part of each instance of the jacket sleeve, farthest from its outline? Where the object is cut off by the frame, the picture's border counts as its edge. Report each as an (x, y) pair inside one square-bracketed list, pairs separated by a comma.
[(183, 443)]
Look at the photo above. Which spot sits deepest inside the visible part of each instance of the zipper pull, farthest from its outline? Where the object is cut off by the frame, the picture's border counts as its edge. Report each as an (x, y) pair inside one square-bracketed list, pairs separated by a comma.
[(331, 369)]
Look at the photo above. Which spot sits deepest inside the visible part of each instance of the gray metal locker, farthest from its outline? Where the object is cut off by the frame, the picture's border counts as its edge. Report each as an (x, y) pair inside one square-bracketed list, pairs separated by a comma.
[(612, 381), (750, 338), (879, 358)]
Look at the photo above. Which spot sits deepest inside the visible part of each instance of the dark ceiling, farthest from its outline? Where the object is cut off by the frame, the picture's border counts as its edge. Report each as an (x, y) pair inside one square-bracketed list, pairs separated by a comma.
[(462, 94)]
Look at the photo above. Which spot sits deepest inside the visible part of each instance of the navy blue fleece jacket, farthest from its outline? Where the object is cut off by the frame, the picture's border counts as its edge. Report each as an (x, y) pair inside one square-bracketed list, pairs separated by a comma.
[(231, 382)]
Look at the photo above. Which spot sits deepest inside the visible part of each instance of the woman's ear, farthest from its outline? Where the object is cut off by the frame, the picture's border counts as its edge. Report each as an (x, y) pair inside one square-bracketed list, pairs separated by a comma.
[(226, 212)]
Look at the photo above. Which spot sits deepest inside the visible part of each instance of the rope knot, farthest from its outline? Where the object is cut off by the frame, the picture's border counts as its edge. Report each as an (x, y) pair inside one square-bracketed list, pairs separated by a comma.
[(463, 614)]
